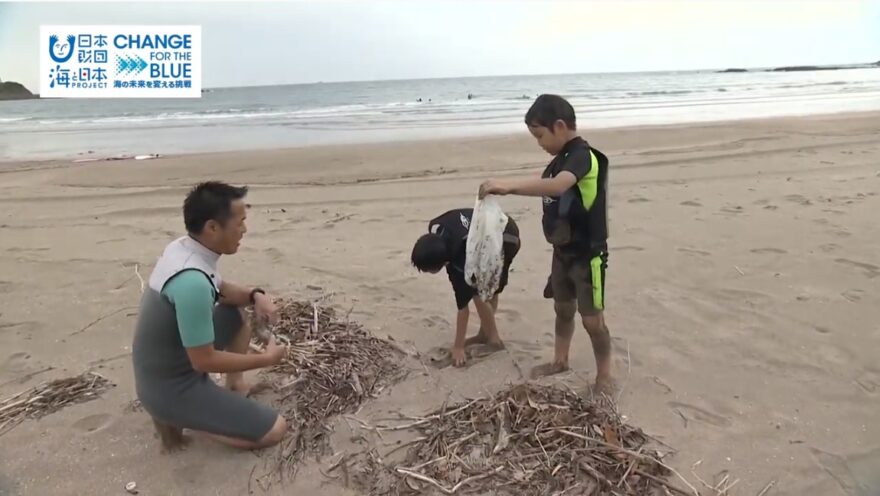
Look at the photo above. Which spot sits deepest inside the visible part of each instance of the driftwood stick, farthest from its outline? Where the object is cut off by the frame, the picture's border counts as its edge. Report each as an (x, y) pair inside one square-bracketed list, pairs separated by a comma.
[(441, 487), (426, 419)]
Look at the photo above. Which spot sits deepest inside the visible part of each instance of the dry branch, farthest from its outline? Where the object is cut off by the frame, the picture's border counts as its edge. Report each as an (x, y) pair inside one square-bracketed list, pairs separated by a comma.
[(333, 365), (49, 397), (525, 440)]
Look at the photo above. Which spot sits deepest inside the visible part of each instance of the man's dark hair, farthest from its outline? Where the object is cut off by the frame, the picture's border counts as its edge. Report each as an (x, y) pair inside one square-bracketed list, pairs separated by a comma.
[(548, 109), (210, 200), (429, 253)]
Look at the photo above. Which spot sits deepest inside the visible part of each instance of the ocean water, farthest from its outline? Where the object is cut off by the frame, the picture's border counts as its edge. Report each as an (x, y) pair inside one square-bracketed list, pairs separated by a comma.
[(323, 113)]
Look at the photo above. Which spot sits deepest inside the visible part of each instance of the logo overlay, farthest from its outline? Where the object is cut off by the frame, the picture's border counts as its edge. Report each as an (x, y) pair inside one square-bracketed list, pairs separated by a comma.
[(120, 61)]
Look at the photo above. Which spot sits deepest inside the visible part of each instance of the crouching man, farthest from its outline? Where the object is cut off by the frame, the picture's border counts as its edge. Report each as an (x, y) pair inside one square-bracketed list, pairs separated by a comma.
[(192, 323)]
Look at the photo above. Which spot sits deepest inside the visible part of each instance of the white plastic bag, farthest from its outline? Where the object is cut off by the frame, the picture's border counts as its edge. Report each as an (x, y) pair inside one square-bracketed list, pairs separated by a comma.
[(484, 262)]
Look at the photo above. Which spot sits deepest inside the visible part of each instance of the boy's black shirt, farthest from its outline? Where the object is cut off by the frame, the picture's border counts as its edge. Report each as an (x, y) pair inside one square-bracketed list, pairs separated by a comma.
[(567, 222)]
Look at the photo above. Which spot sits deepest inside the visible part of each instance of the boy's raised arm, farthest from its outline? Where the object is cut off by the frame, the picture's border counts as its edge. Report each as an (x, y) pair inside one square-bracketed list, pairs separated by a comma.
[(554, 186)]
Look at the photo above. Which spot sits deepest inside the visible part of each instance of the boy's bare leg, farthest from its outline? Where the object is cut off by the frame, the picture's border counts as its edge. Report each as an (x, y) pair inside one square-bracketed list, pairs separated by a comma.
[(488, 334), (564, 330), (601, 339), (482, 337), (240, 344)]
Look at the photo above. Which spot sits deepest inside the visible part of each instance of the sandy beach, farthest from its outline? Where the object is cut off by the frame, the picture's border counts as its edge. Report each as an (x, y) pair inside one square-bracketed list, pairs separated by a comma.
[(742, 294)]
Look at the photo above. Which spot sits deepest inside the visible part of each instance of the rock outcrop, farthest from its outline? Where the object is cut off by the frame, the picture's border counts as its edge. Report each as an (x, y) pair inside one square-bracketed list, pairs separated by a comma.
[(14, 91)]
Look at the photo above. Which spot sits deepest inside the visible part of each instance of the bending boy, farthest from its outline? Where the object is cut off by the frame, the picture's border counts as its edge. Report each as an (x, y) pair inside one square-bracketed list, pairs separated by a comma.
[(444, 246)]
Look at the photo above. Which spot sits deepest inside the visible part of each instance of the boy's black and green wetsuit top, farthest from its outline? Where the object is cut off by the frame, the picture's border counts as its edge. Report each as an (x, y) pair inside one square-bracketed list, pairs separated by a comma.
[(453, 227), (576, 225)]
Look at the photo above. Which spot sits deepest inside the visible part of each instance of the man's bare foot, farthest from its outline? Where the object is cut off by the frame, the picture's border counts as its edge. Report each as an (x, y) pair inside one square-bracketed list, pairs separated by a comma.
[(240, 386), (172, 437), (547, 369)]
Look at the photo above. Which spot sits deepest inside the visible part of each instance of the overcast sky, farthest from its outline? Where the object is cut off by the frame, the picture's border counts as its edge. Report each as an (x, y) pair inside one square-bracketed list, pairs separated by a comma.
[(293, 42)]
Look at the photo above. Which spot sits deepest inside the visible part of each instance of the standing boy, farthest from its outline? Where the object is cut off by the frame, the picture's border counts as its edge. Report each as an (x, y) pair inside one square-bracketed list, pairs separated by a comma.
[(573, 187), (444, 246)]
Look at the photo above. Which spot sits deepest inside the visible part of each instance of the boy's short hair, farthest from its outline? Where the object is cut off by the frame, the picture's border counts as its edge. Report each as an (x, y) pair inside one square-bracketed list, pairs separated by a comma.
[(548, 109), (429, 253)]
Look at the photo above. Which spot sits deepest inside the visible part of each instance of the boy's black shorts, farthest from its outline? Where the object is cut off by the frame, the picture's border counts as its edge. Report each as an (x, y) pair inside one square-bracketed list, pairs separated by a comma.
[(576, 276)]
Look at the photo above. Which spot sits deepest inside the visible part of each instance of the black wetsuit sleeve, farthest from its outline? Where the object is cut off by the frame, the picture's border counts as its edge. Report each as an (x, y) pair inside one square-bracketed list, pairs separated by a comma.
[(463, 293), (578, 162)]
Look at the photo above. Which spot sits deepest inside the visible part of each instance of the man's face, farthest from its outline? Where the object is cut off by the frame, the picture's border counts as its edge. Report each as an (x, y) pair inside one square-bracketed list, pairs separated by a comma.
[(226, 238), (552, 143)]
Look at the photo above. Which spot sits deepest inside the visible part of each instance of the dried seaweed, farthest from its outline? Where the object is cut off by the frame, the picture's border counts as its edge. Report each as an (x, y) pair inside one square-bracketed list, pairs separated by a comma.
[(49, 397), (526, 440), (332, 366)]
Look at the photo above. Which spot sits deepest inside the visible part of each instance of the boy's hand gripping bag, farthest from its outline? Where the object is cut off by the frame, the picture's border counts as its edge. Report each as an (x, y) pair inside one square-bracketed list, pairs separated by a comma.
[(485, 248)]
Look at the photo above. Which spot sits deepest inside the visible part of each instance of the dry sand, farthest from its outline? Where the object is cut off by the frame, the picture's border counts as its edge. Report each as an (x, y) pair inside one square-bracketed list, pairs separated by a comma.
[(742, 293)]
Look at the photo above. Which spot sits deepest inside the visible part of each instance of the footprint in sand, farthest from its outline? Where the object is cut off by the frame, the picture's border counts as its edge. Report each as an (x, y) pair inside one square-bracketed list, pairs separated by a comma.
[(525, 345), (27, 327), (732, 209), (768, 250), (6, 287), (629, 248), (189, 474), (691, 203), (16, 362), (822, 330), (733, 294), (870, 270), (114, 240), (869, 381), (93, 423), (435, 321), (853, 295), (510, 313), (694, 252), (799, 199), (839, 470), (639, 199), (665, 387), (274, 254), (829, 247), (699, 414), (771, 207)]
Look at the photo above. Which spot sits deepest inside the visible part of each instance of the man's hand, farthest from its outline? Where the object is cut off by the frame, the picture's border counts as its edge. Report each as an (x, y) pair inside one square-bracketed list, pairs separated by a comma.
[(458, 357), (274, 352), (265, 309), (493, 187)]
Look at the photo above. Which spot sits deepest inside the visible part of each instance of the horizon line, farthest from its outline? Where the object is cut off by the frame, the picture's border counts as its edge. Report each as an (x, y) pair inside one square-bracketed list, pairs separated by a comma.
[(843, 65)]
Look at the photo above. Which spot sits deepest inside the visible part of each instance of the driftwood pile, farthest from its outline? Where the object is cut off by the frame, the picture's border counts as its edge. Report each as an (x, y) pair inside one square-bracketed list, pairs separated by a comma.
[(49, 397), (333, 365), (526, 440)]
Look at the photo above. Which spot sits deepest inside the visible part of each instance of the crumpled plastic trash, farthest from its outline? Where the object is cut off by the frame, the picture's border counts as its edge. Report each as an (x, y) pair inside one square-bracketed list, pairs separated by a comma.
[(484, 262)]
